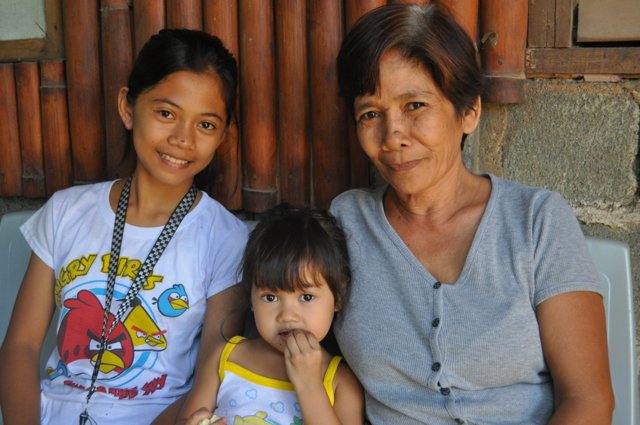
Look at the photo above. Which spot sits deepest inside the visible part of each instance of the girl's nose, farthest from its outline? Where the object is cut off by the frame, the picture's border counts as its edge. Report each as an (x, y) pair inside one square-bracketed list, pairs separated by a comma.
[(180, 136)]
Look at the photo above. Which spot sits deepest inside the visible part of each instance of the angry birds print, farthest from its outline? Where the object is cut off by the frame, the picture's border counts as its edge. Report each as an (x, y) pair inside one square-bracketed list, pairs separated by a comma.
[(144, 332), (80, 333), (173, 301)]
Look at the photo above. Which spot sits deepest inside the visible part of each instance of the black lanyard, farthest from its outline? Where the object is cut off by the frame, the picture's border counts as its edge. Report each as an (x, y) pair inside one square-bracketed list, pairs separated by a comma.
[(156, 251)]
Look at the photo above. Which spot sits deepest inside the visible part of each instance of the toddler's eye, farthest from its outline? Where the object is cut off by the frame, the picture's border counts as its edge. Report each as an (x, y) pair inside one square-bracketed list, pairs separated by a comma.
[(270, 298), (306, 297)]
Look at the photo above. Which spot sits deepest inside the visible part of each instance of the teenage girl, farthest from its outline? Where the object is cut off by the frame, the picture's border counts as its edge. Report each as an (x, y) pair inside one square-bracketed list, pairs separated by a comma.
[(296, 267), (136, 300)]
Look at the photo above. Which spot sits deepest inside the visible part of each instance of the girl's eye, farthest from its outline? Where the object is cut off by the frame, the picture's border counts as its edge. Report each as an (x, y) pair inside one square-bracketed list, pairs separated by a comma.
[(208, 126), (270, 298), (164, 113), (306, 297)]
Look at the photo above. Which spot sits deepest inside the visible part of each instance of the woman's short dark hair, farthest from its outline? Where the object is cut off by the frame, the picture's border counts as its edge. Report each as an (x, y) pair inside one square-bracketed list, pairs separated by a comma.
[(426, 34), (173, 50), (286, 241)]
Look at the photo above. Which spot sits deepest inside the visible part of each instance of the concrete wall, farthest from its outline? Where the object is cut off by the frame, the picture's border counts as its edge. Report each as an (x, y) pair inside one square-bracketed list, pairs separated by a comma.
[(580, 139)]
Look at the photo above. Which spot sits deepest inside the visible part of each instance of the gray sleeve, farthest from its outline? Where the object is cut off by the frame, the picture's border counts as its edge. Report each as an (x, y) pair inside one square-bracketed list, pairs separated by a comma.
[(562, 262)]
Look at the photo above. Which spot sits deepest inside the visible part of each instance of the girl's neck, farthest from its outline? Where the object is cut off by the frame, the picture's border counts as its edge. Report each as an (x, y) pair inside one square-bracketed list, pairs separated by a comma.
[(150, 204)]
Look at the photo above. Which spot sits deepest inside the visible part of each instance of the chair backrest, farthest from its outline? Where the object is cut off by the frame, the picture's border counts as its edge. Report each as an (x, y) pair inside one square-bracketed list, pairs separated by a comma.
[(14, 258), (613, 264)]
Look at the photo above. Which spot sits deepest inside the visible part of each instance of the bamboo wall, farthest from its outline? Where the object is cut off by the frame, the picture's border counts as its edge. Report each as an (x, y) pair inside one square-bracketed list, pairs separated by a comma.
[(294, 142)]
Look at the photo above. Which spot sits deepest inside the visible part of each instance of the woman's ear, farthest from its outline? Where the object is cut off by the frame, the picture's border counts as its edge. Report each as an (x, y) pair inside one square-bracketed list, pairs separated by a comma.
[(471, 117), (125, 109)]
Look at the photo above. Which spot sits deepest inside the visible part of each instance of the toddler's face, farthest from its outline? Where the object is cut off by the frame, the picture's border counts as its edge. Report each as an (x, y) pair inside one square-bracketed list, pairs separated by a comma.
[(277, 313)]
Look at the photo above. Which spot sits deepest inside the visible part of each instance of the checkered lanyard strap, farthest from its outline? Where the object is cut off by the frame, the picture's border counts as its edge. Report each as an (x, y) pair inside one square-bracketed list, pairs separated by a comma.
[(147, 267)]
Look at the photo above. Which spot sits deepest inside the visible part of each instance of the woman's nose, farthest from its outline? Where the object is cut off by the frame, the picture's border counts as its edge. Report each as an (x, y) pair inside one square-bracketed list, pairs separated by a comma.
[(395, 135)]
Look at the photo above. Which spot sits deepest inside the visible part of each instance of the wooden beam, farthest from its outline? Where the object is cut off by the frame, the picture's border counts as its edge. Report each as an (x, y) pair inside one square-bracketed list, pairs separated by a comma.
[(623, 61), (541, 26), (564, 23)]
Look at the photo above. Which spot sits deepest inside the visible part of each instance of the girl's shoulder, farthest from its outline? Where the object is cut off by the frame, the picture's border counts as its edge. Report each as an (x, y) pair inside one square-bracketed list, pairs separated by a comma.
[(210, 212)]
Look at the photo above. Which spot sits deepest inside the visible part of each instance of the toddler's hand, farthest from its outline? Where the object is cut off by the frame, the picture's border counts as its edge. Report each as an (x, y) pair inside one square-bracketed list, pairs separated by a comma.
[(303, 358)]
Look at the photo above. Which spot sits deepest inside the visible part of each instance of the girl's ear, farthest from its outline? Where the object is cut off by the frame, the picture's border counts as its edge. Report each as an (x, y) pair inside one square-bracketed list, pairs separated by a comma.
[(125, 109)]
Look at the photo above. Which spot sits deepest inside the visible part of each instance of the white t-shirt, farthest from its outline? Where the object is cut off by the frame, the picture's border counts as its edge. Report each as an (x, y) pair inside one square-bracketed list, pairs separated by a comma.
[(151, 353)]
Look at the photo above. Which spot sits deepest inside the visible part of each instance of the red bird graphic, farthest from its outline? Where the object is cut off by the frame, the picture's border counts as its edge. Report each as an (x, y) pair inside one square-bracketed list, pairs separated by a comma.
[(80, 333)]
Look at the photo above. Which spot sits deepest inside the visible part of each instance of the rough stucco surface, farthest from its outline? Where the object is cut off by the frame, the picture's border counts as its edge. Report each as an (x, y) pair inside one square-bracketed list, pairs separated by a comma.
[(582, 144)]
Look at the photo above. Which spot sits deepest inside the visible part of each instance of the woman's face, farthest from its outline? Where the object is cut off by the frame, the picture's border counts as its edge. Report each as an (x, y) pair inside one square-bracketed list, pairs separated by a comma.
[(409, 129)]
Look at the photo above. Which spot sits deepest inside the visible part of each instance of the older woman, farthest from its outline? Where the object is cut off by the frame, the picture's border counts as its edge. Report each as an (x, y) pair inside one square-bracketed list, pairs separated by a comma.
[(474, 298)]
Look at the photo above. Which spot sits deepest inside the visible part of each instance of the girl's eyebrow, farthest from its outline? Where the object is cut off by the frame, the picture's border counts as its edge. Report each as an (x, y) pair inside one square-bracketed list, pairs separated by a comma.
[(174, 104)]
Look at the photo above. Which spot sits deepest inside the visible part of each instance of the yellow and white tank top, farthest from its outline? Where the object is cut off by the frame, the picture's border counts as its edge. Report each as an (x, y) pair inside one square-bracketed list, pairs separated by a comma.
[(246, 398)]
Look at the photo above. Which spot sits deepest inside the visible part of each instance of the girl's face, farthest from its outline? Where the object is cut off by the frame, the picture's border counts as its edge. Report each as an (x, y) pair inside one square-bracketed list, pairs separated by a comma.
[(409, 129), (277, 313), (176, 125)]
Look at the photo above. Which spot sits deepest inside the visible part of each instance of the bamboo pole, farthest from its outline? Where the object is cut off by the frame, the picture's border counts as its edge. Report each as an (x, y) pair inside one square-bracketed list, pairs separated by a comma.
[(148, 18), (328, 114), (116, 65), (30, 125), (293, 116), (184, 14), (257, 76), (55, 126), (10, 164), (359, 163), (504, 37), (81, 37), (221, 20), (465, 13)]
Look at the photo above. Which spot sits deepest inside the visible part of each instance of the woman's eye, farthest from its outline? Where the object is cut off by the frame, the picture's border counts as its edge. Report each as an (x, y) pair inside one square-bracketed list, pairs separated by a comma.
[(415, 105), (306, 297), (369, 115)]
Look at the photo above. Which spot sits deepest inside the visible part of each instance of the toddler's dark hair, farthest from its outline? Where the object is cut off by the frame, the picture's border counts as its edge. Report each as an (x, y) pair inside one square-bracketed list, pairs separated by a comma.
[(288, 242)]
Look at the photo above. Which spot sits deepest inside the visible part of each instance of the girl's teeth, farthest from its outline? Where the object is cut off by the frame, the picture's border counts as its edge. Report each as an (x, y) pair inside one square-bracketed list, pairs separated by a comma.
[(173, 160)]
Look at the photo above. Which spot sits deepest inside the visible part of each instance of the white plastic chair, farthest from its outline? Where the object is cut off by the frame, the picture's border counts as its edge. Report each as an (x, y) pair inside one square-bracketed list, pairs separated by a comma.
[(612, 261), (14, 258)]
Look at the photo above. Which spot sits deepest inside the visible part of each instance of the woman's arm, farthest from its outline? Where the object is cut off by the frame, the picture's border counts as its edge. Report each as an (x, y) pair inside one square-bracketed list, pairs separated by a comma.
[(20, 354), (574, 341), (224, 318)]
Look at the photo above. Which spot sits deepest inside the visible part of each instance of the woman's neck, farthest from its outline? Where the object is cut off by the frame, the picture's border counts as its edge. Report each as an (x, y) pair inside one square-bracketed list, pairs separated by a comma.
[(439, 203)]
